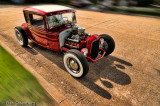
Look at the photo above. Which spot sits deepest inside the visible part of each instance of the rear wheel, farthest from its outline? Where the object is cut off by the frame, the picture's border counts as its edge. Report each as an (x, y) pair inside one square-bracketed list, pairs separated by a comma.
[(76, 63), (107, 43), (21, 36)]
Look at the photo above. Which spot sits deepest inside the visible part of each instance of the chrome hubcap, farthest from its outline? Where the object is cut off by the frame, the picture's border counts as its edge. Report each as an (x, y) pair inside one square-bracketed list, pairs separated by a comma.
[(73, 65)]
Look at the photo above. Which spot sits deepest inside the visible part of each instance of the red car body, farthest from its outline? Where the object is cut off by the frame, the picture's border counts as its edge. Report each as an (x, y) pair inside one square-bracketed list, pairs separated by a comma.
[(53, 27), (43, 37), (50, 38)]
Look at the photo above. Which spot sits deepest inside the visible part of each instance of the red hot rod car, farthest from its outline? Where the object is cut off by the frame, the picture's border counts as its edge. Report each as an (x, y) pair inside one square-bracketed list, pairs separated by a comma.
[(53, 27)]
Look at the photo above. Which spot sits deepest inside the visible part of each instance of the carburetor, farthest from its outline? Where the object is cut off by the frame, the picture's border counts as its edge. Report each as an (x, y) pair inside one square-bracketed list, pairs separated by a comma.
[(78, 33)]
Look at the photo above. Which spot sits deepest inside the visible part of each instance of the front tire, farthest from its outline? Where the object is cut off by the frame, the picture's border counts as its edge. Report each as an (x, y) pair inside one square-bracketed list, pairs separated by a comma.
[(21, 36), (76, 63), (108, 45)]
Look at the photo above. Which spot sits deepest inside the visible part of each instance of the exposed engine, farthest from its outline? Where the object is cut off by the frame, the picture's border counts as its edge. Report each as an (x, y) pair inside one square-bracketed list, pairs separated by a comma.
[(77, 35)]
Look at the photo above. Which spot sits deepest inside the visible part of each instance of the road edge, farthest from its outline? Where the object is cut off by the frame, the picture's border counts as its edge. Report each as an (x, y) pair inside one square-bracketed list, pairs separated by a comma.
[(57, 97)]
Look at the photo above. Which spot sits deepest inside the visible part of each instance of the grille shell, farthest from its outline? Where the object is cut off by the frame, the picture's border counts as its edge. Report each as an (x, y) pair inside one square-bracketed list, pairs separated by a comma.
[(95, 48)]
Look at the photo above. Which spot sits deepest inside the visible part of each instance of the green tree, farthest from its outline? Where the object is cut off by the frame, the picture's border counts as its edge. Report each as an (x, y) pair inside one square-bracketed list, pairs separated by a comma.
[(95, 2), (115, 2), (157, 2), (144, 2), (64, 1)]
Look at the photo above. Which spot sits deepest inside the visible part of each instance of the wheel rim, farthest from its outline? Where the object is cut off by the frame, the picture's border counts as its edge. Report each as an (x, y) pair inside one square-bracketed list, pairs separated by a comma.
[(73, 65), (104, 45), (19, 37), (74, 71)]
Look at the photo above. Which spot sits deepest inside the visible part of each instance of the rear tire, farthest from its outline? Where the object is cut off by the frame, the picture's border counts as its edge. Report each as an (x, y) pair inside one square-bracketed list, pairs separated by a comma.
[(76, 63), (109, 44), (21, 36)]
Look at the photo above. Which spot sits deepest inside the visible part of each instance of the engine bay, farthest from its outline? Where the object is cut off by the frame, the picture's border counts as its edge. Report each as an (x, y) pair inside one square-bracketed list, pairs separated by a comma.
[(76, 37)]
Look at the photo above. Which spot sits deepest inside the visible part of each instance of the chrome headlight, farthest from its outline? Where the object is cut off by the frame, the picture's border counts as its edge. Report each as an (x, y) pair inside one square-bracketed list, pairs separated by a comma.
[(84, 51)]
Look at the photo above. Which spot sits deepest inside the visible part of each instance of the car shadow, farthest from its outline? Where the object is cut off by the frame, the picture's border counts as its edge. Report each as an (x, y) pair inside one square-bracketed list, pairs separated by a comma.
[(30, 50), (107, 70)]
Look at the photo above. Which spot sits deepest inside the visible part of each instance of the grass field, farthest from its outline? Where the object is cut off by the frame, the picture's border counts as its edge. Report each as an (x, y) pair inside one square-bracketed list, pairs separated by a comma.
[(17, 84)]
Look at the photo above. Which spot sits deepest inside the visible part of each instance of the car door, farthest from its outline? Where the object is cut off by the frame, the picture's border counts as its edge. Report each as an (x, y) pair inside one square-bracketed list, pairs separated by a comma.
[(53, 34), (38, 29)]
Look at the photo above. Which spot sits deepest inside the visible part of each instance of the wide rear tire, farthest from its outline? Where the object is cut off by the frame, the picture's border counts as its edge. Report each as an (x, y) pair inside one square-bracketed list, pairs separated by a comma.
[(21, 36), (76, 63)]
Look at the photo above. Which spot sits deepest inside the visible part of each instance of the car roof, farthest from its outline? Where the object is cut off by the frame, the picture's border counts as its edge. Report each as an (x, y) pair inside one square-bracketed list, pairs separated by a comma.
[(48, 9)]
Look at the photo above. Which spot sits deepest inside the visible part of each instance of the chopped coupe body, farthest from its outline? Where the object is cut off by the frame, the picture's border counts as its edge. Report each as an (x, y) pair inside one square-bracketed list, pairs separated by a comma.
[(53, 27)]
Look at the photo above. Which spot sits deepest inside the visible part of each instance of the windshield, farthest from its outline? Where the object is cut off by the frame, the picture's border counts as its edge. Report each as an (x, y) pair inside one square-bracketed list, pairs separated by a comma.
[(59, 19)]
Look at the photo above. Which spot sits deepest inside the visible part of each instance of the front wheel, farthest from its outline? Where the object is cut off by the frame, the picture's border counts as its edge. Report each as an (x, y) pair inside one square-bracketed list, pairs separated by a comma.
[(107, 43), (76, 63)]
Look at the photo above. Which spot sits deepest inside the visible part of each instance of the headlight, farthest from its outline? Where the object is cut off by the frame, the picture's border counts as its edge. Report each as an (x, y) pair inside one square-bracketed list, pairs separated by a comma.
[(84, 51)]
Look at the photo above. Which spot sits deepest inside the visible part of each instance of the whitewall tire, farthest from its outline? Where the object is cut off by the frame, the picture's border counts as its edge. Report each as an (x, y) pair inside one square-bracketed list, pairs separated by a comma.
[(76, 63)]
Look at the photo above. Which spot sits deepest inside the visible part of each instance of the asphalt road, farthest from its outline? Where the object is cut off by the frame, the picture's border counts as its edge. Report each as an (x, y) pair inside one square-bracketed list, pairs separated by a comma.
[(129, 76)]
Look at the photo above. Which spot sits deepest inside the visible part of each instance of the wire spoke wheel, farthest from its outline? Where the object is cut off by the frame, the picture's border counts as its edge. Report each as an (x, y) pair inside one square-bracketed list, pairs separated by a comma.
[(104, 45), (21, 36), (107, 44)]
